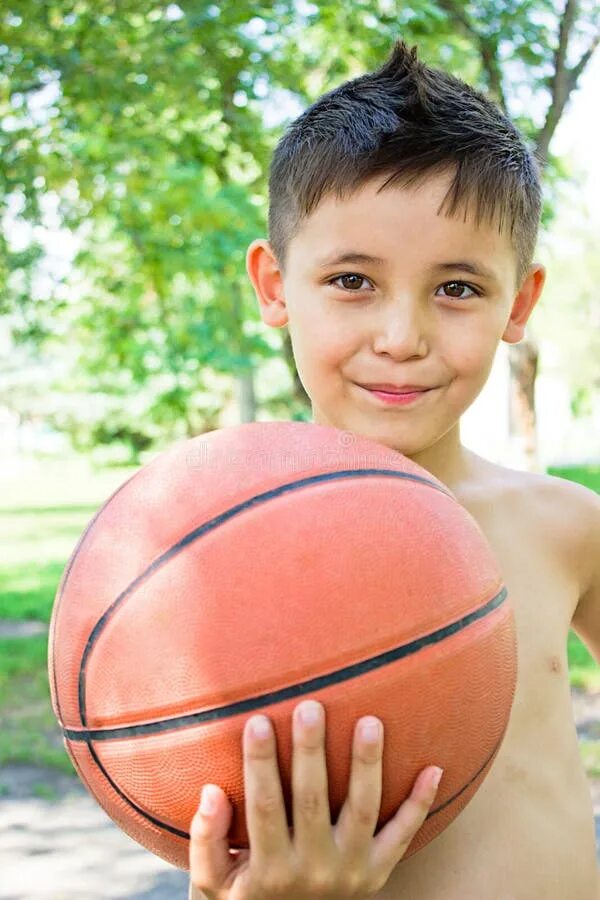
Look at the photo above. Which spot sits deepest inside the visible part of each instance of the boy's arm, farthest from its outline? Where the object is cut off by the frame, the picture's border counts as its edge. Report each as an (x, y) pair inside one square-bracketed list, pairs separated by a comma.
[(586, 618)]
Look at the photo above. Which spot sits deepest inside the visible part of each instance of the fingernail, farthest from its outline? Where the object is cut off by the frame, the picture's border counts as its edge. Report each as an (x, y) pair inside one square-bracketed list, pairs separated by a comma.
[(370, 730), (437, 776), (310, 712), (208, 800), (261, 727)]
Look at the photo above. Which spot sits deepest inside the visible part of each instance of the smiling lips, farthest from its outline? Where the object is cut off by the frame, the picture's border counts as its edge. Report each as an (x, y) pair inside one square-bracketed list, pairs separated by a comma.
[(396, 389)]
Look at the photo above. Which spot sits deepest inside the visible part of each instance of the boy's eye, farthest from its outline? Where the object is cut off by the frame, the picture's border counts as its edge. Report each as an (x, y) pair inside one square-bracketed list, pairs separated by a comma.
[(353, 280), (460, 285), (349, 276)]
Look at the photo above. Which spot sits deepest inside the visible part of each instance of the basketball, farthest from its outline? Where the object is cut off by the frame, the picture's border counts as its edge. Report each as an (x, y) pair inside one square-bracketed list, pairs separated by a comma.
[(254, 566)]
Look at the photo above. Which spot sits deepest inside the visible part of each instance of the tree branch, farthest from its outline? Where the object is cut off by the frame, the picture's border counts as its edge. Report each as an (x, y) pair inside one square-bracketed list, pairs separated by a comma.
[(457, 14), (581, 65), (564, 80), (560, 82), (488, 47)]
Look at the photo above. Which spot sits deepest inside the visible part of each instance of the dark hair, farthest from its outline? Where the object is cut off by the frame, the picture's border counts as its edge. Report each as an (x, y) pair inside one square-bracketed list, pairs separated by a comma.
[(408, 120)]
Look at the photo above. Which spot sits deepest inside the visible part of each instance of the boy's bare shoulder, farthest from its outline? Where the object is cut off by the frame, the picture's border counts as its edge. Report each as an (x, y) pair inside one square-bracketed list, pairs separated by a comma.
[(562, 504), (562, 510), (561, 517)]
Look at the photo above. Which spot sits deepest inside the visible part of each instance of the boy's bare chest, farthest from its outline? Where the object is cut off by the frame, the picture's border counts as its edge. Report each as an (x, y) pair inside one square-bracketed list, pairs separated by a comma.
[(543, 593), (528, 832)]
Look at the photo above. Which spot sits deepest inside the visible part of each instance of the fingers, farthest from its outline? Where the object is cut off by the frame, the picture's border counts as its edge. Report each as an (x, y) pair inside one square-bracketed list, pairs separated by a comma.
[(310, 799), (315, 847), (358, 817), (265, 809), (393, 840), (210, 860)]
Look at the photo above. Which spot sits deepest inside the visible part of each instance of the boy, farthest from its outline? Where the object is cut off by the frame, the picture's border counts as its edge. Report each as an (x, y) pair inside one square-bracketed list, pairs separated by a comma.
[(367, 272)]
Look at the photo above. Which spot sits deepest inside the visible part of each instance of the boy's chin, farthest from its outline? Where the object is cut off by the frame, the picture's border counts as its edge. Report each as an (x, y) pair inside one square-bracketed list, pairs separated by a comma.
[(408, 444)]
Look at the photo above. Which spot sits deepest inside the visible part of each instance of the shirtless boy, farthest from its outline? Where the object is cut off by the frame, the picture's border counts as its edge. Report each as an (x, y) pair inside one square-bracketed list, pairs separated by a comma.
[(426, 315)]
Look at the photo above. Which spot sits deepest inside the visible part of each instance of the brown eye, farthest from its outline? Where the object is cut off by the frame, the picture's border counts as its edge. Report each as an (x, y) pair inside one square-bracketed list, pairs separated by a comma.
[(458, 287), (352, 282)]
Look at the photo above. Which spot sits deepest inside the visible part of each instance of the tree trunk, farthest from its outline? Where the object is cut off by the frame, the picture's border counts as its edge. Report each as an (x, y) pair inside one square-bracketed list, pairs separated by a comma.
[(561, 82), (247, 398), (523, 367)]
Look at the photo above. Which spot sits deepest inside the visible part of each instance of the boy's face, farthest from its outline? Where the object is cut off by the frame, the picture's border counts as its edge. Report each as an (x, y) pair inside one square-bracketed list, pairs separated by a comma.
[(408, 321)]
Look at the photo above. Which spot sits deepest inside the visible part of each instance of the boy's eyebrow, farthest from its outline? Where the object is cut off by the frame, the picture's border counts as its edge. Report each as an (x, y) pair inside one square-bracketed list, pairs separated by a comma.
[(475, 268), (351, 256)]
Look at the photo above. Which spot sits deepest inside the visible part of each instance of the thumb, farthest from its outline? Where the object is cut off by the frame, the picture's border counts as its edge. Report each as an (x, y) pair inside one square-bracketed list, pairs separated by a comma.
[(210, 860)]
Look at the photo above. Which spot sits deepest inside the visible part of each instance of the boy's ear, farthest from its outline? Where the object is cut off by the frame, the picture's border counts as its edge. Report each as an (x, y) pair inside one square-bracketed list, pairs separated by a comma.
[(523, 304), (265, 275)]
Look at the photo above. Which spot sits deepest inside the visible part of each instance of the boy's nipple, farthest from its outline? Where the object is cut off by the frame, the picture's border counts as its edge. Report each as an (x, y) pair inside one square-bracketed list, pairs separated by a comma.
[(554, 664)]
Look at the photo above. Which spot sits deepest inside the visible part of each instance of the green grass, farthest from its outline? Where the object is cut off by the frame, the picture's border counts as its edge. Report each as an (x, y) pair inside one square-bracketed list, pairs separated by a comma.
[(29, 732), (42, 515), (44, 791), (584, 672), (589, 476), (21, 657), (27, 592), (590, 753), (43, 512)]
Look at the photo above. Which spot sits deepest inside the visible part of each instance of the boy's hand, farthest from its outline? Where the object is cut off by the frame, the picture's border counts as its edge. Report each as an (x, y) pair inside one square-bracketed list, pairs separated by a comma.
[(316, 861)]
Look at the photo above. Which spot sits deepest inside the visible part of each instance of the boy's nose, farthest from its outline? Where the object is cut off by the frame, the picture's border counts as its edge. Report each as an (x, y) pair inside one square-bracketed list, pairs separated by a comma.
[(401, 332)]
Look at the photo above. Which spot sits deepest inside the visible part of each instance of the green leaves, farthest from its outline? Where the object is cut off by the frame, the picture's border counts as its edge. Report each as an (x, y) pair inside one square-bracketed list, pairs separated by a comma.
[(146, 120)]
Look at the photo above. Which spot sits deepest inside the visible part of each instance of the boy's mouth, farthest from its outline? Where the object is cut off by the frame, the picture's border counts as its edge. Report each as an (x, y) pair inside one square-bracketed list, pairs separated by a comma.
[(396, 395), (396, 389)]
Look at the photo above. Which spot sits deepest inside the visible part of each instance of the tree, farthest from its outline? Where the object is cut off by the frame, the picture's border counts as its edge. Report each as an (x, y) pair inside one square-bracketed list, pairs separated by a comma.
[(526, 32), (135, 117), (146, 120)]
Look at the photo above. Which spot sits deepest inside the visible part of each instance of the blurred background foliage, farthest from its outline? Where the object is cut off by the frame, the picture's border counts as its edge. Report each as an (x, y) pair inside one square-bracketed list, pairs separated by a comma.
[(142, 132)]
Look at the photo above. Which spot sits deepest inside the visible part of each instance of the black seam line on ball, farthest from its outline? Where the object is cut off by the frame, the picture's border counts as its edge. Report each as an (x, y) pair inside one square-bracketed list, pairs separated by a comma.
[(455, 796), (296, 690), (210, 526), (67, 573), (185, 834), (138, 809)]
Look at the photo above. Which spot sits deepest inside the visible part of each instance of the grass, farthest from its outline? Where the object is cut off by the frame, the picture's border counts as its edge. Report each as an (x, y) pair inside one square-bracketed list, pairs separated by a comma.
[(27, 591), (590, 753), (589, 476), (28, 729), (20, 658), (43, 510), (44, 791), (584, 672)]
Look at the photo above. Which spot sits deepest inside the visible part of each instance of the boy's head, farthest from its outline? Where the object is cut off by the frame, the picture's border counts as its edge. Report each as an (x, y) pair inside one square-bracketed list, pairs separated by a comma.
[(412, 166)]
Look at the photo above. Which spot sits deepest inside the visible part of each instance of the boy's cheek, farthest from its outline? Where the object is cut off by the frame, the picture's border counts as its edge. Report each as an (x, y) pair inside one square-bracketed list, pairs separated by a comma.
[(471, 362), (313, 354), (472, 351)]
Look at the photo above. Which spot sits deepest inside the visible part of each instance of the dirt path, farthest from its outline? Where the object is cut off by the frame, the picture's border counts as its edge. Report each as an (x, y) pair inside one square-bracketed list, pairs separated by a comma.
[(68, 849), (56, 843)]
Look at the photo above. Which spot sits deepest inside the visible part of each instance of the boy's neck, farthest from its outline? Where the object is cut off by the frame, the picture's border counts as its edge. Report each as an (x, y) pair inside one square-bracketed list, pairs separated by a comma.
[(449, 460)]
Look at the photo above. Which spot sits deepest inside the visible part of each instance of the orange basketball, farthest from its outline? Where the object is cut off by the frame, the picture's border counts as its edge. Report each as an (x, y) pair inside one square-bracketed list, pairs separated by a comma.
[(251, 567)]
